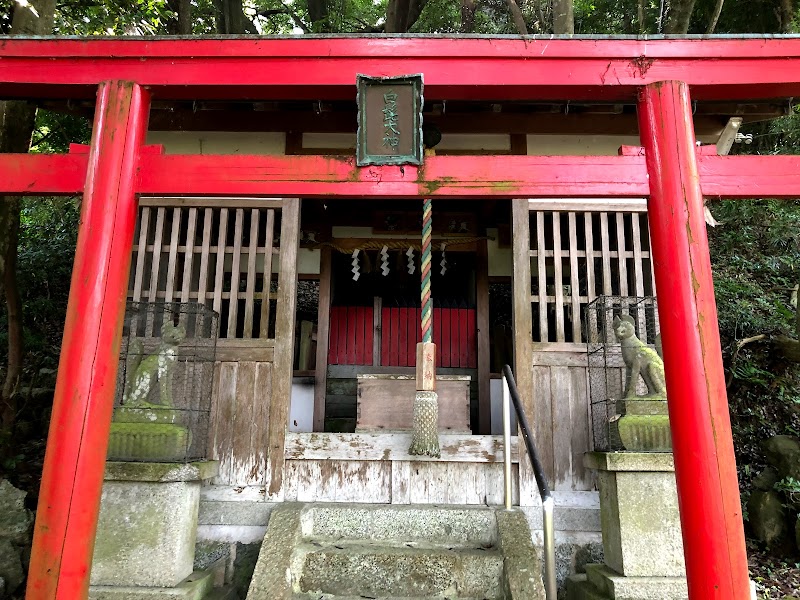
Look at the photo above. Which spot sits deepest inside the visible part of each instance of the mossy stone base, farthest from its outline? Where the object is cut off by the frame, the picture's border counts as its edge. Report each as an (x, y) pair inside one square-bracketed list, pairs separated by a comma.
[(643, 433), (148, 441), (145, 534), (642, 406), (639, 514), (195, 587), (146, 413)]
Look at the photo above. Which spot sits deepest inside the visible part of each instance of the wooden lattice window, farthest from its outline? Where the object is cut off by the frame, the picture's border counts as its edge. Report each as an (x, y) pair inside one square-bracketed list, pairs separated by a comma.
[(221, 253), (579, 253)]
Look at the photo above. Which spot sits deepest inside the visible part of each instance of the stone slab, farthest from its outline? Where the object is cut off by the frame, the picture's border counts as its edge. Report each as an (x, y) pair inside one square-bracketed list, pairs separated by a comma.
[(222, 512), (629, 461), (397, 570), (380, 522), (195, 587), (613, 585), (145, 533), (579, 588), (642, 407), (163, 472), (522, 565), (641, 523), (272, 576)]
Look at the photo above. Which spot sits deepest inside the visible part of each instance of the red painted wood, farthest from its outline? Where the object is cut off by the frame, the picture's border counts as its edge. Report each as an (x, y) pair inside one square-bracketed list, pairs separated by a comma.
[(468, 69), (705, 466), (38, 174), (402, 339), (333, 335), (369, 313), (414, 335), (446, 338), (352, 335), (463, 337), (472, 339), (464, 176), (341, 346), (386, 335), (74, 464), (455, 338), (394, 344), (437, 334)]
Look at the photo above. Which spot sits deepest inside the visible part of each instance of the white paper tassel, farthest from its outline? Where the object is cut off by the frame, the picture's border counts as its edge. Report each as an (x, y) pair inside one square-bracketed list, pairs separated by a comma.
[(444, 260), (385, 260), (410, 255), (356, 268)]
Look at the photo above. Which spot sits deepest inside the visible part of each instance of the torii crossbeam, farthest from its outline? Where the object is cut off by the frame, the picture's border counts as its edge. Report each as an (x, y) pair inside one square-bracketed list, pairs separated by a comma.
[(657, 74)]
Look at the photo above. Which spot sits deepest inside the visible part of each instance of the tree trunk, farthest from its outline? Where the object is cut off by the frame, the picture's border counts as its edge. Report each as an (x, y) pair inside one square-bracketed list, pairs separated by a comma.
[(640, 16), (231, 19), (563, 17), (17, 120), (14, 304), (402, 14), (786, 13), (516, 14), (712, 25), (679, 17), (182, 23), (319, 15), (468, 8)]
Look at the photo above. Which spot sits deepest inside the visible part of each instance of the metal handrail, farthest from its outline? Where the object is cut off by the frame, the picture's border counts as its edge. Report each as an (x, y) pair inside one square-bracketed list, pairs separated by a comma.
[(510, 394)]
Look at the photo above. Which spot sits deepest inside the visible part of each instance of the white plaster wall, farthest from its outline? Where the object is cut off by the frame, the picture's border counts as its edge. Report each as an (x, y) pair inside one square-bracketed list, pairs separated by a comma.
[(501, 260), (450, 141), (218, 142)]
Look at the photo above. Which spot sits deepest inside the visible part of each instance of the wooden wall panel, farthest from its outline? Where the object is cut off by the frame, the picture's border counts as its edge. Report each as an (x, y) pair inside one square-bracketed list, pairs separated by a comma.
[(397, 482), (240, 406)]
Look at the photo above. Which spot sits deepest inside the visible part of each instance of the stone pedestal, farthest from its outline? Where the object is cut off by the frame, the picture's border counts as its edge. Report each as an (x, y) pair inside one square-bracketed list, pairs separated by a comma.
[(146, 531), (641, 526)]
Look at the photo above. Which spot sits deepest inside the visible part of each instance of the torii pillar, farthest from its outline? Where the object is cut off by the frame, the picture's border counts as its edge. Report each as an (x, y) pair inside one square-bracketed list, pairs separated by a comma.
[(74, 463), (705, 466)]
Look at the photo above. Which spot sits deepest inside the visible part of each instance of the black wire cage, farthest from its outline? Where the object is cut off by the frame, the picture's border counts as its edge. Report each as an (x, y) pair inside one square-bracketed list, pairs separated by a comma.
[(606, 367), (163, 397)]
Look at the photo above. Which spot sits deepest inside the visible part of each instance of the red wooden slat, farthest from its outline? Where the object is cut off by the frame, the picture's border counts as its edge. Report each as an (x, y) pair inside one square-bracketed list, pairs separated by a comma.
[(333, 341), (463, 337), (358, 335), (437, 334), (472, 339), (352, 343), (394, 344), (341, 348), (402, 345), (368, 337), (455, 339), (414, 335), (446, 339), (386, 335)]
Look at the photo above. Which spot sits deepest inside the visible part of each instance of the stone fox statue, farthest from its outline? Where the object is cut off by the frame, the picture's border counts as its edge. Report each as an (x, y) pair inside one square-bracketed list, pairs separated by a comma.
[(144, 371), (640, 360)]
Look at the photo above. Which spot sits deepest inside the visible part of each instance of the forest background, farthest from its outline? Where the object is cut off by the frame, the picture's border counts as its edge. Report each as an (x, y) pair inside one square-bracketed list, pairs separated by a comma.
[(755, 248)]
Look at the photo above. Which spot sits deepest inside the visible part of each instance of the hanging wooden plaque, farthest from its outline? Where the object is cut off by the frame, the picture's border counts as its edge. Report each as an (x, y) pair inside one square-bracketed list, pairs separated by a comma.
[(389, 120)]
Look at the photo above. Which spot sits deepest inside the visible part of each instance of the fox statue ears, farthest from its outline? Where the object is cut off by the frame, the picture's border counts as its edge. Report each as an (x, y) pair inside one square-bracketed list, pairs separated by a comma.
[(624, 318)]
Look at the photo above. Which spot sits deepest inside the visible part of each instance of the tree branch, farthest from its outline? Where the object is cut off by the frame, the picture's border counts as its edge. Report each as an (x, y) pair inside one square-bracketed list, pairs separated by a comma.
[(516, 14), (712, 25)]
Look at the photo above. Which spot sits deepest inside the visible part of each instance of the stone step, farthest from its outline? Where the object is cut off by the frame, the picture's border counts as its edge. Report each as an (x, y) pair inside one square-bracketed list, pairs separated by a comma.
[(377, 570), (333, 597), (446, 525)]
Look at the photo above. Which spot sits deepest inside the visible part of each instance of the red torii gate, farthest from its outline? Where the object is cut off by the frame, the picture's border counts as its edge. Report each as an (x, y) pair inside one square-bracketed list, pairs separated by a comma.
[(658, 74)]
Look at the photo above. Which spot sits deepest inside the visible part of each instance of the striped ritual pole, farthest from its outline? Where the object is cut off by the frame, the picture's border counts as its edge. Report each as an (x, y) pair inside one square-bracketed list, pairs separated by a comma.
[(425, 440)]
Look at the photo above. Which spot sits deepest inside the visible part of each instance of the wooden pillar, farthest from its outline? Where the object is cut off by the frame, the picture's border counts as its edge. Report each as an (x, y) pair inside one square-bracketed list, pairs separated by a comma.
[(284, 346), (705, 467), (484, 352), (523, 339), (323, 338), (74, 464)]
